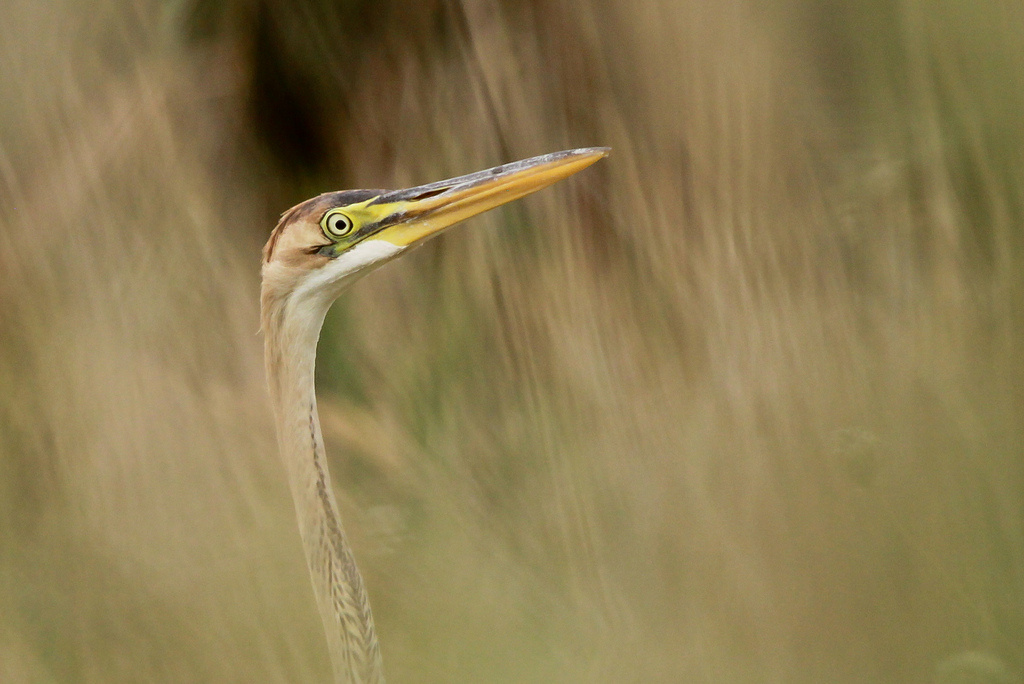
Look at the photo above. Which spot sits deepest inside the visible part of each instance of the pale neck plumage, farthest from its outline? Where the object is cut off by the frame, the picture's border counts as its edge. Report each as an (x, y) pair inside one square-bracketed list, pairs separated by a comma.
[(292, 327)]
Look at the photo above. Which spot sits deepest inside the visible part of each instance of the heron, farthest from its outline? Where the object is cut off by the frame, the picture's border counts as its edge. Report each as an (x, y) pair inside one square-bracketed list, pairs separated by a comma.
[(319, 248)]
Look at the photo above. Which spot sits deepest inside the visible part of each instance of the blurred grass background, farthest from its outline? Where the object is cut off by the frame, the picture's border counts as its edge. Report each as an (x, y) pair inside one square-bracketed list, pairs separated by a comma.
[(742, 403)]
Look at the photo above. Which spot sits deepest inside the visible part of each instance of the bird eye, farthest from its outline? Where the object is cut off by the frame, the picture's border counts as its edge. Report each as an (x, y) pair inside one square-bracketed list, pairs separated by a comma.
[(336, 224)]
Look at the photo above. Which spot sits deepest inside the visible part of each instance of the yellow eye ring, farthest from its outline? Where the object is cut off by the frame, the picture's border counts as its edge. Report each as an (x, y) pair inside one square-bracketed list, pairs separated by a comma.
[(336, 224)]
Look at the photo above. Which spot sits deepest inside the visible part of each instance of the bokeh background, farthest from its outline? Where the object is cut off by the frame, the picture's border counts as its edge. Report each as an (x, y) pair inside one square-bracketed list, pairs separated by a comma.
[(742, 403)]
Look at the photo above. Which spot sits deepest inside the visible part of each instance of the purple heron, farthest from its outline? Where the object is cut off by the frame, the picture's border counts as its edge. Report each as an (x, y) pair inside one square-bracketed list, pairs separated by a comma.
[(318, 248)]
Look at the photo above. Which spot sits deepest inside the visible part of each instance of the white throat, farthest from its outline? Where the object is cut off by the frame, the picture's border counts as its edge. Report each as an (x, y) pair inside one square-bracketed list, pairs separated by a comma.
[(302, 312), (342, 270)]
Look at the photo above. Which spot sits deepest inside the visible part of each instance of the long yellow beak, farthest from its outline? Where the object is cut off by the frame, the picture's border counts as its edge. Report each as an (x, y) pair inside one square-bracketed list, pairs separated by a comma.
[(415, 214)]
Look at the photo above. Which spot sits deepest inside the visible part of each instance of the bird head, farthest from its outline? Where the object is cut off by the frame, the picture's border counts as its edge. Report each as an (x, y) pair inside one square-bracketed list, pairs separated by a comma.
[(327, 242)]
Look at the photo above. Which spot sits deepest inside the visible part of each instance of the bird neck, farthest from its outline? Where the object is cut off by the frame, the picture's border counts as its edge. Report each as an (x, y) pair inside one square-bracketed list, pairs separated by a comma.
[(290, 353)]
